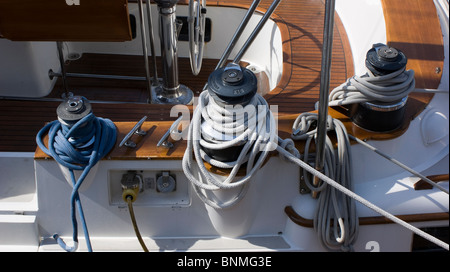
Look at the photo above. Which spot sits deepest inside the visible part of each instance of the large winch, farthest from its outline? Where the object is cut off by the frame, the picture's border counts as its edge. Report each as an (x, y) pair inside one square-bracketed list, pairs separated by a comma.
[(231, 87), (377, 99), (232, 126), (383, 62)]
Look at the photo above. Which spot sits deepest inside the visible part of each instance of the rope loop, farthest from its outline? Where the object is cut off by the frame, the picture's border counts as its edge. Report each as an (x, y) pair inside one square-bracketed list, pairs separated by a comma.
[(305, 126), (289, 145)]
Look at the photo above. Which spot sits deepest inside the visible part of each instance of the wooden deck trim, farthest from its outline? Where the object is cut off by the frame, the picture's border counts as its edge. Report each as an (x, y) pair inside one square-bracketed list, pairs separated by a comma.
[(145, 149), (415, 29), (371, 220)]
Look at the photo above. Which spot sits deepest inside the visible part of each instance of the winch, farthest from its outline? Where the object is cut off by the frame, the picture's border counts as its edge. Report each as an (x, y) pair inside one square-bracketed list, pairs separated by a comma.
[(387, 65), (231, 87), (77, 141), (382, 60), (73, 109), (232, 127)]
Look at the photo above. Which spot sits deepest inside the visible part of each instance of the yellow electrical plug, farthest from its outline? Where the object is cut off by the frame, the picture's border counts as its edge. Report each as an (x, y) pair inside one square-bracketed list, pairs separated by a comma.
[(130, 193), (130, 186), (131, 182)]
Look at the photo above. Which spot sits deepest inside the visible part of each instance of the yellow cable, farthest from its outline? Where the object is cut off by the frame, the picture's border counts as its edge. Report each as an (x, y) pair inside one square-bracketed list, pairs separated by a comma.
[(129, 199)]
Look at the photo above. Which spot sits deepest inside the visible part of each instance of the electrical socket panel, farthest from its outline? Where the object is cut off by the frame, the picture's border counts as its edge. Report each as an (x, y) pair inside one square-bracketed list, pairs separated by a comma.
[(166, 188)]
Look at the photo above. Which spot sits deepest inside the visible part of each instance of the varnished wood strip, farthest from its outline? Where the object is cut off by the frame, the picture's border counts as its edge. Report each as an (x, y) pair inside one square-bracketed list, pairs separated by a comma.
[(415, 29), (371, 220), (423, 185), (146, 145)]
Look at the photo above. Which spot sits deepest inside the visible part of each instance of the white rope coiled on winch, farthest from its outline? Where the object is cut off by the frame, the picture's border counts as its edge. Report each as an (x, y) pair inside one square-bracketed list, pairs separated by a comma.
[(252, 125), (368, 87), (335, 220)]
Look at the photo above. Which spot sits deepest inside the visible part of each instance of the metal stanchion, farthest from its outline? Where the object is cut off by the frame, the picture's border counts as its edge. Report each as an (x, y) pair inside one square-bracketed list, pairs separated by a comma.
[(324, 88), (152, 43), (66, 94), (145, 50)]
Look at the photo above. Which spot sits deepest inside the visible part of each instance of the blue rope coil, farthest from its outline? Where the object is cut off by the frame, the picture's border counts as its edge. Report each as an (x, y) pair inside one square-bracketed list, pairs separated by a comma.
[(78, 147)]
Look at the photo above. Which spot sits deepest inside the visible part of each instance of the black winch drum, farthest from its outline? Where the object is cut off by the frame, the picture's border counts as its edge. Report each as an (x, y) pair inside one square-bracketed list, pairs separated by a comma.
[(230, 85), (379, 116)]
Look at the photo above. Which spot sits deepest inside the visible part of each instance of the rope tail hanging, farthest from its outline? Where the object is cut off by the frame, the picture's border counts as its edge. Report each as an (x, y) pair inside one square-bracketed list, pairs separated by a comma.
[(335, 219)]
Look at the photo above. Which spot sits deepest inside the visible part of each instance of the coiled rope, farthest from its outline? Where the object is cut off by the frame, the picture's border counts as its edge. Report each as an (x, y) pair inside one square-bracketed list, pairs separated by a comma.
[(335, 219), (368, 87), (264, 143), (78, 147), (232, 125), (337, 174)]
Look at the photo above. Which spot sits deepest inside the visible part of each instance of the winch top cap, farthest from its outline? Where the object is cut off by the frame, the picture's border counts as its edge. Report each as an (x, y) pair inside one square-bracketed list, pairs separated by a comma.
[(382, 59), (166, 3), (74, 108), (232, 85)]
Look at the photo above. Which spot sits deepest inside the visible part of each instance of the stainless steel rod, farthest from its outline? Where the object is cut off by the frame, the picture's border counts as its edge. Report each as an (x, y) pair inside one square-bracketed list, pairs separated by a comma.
[(169, 50), (99, 76), (144, 49), (237, 34), (324, 86), (63, 69), (152, 43), (257, 29)]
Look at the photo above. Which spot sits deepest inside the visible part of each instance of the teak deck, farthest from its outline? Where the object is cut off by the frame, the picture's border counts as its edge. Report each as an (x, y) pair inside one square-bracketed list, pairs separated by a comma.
[(301, 25)]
